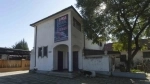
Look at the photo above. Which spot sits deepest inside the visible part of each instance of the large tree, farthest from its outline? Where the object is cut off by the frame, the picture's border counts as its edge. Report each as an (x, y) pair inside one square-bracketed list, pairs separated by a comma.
[(21, 45), (125, 20)]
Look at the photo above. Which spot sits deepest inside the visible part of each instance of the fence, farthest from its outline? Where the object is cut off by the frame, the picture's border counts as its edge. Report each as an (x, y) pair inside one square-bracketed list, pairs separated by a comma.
[(14, 65)]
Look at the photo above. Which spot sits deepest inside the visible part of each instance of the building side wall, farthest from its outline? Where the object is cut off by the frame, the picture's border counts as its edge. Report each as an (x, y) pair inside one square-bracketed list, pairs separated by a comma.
[(77, 38), (32, 60), (138, 58), (4, 57), (90, 45), (96, 64)]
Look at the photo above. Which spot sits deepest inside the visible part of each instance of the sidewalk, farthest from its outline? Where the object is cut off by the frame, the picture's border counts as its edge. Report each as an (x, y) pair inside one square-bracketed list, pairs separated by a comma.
[(23, 77), (148, 76), (13, 73)]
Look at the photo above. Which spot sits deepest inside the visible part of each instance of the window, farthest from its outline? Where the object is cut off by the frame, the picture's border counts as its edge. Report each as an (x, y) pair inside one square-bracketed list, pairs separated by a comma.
[(76, 24), (123, 58), (45, 51), (40, 51), (146, 54)]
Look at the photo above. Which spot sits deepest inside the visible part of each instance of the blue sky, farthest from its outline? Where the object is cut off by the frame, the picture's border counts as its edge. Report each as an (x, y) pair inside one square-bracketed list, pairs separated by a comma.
[(17, 15)]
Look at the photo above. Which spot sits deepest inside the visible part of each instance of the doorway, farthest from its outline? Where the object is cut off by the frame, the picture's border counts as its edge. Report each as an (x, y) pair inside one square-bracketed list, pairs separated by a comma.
[(75, 61), (60, 61)]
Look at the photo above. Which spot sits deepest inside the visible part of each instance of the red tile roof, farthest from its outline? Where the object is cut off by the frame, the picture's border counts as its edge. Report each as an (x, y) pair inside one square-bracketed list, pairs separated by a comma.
[(108, 47)]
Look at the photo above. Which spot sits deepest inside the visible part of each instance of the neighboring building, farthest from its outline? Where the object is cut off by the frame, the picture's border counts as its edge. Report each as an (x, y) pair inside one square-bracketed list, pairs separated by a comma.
[(13, 54), (60, 44), (138, 58)]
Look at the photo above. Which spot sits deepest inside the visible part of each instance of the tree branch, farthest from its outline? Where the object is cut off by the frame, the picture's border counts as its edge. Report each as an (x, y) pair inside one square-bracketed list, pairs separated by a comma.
[(135, 21), (136, 38), (125, 18), (137, 47), (127, 22), (140, 13), (118, 17), (143, 28)]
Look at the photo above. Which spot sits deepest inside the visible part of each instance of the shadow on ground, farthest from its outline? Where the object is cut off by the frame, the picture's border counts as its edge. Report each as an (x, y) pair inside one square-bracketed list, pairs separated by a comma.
[(31, 78)]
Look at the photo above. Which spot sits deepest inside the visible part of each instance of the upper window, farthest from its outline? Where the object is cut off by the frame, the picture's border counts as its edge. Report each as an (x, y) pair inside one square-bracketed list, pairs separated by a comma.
[(39, 51), (146, 54), (45, 50), (76, 24)]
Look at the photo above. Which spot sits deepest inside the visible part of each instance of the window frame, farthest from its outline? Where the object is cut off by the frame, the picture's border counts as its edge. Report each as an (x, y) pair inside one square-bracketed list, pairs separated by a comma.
[(46, 51), (76, 24), (40, 51), (146, 54)]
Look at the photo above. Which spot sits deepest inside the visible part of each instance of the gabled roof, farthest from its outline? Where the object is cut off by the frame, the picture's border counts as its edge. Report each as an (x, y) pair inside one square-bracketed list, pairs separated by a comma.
[(70, 7)]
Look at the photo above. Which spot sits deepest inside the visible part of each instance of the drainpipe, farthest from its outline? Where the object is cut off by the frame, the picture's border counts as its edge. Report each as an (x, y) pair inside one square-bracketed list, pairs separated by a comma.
[(83, 49), (35, 43), (84, 41)]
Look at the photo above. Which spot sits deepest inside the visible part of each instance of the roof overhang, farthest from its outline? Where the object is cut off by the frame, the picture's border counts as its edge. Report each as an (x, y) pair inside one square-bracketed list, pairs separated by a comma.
[(9, 51), (70, 7), (100, 53)]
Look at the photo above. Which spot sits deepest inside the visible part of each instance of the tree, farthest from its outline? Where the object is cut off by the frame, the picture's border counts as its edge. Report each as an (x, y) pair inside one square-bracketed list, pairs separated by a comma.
[(21, 45), (126, 20), (117, 46)]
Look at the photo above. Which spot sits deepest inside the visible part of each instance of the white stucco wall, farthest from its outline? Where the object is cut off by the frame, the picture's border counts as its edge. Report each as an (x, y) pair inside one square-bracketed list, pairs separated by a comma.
[(90, 45), (117, 62), (77, 40), (45, 37), (32, 60), (96, 64)]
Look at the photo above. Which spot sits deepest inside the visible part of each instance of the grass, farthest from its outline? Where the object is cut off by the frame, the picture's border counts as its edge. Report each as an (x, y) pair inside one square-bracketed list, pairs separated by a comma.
[(136, 70)]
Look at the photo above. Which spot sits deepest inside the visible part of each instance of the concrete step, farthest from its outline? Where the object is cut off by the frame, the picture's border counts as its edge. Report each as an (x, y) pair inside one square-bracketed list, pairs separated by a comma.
[(59, 74), (63, 74)]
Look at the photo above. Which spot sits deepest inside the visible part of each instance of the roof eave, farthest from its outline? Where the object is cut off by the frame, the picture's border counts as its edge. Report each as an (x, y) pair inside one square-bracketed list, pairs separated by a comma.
[(34, 24)]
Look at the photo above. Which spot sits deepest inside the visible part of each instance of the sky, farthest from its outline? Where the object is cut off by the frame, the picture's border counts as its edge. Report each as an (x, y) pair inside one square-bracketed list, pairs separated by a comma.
[(17, 15)]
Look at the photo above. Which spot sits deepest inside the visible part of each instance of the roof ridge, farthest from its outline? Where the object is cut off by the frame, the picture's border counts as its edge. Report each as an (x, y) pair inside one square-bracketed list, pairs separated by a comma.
[(33, 24)]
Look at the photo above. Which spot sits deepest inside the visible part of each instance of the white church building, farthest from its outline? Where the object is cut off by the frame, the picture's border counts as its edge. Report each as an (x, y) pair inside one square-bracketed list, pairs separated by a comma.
[(59, 44)]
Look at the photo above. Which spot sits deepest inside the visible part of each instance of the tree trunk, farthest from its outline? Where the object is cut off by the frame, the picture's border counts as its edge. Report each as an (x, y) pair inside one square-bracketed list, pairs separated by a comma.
[(128, 62)]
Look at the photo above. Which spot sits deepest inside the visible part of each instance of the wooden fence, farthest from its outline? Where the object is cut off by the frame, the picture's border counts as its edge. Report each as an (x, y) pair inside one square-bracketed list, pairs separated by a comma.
[(14, 65)]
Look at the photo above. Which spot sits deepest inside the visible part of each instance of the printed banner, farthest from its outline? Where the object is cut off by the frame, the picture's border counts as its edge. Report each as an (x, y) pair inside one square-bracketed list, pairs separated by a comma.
[(61, 29)]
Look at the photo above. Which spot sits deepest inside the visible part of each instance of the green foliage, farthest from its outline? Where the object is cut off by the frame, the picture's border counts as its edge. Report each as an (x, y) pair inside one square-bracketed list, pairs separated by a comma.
[(118, 18), (144, 47), (126, 20), (117, 46), (21, 45)]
